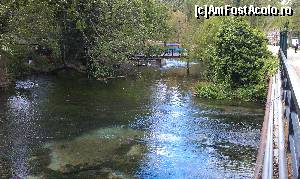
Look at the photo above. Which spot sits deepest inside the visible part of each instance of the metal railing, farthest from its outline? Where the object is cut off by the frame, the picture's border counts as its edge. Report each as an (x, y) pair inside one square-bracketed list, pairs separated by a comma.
[(291, 98), (277, 144), (275, 165)]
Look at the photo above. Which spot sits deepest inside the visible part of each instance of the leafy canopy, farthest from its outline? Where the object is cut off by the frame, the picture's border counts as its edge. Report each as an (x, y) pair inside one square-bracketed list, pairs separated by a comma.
[(240, 55), (239, 63), (99, 35)]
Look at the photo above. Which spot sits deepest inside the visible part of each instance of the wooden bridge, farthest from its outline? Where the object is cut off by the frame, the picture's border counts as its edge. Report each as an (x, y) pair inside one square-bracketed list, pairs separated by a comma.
[(279, 150)]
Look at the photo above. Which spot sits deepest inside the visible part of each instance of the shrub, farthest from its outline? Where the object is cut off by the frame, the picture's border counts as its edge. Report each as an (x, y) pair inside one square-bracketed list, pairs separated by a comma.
[(211, 91), (240, 55), (154, 50), (239, 63)]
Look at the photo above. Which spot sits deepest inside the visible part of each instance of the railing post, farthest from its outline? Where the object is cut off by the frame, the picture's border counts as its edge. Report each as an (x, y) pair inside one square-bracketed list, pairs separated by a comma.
[(283, 42)]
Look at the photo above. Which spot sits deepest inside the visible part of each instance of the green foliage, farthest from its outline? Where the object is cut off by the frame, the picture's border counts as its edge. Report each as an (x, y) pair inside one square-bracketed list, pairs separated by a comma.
[(203, 41), (99, 34), (199, 34), (30, 23), (118, 31), (12, 66), (240, 54), (239, 63), (295, 19), (211, 91), (153, 50), (18, 68)]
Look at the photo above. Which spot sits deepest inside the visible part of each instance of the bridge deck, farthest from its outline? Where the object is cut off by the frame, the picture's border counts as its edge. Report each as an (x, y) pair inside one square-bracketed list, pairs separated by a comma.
[(293, 59)]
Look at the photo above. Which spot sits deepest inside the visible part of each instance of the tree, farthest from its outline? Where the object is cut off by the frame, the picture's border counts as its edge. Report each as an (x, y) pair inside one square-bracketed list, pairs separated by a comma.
[(241, 54), (239, 63), (203, 41), (99, 34), (30, 23), (295, 19), (115, 31)]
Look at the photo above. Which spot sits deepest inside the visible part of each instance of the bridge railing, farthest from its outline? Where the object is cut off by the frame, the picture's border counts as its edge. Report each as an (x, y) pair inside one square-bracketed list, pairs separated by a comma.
[(271, 159), (291, 100)]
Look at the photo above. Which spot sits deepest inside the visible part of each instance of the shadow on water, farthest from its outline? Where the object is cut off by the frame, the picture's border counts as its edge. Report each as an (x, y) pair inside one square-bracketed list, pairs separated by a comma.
[(150, 126)]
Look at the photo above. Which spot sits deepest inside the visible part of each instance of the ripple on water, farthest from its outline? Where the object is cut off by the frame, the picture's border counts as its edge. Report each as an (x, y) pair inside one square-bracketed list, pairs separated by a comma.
[(165, 133), (27, 84)]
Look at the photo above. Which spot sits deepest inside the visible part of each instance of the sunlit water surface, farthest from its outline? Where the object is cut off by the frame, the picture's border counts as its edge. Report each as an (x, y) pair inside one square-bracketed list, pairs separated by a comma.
[(65, 126)]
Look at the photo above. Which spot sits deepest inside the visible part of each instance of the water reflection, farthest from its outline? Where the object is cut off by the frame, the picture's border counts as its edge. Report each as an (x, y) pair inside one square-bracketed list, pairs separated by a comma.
[(20, 115), (20, 129), (173, 63), (182, 145), (148, 127), (27, 84)]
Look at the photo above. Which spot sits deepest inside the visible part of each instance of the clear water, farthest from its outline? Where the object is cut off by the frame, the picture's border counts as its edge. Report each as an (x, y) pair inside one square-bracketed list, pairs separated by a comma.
[(151, 126)]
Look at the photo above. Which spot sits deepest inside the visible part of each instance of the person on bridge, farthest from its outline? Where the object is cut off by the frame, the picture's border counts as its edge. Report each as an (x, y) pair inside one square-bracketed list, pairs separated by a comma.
[(296, 47)]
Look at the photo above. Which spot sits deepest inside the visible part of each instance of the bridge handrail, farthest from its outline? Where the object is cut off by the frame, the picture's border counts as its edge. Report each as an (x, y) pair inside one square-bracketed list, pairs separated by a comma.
[(293, 79), (291, 97)]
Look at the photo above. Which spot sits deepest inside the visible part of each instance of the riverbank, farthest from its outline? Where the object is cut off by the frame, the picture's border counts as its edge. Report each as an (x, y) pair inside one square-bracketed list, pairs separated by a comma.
[(12, 69), (5, 78)]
